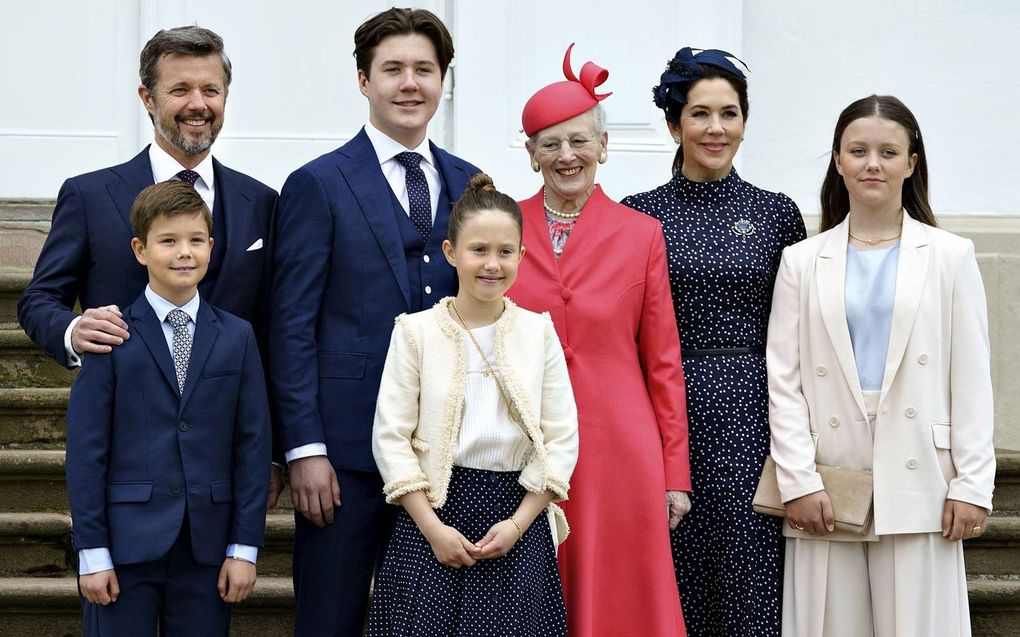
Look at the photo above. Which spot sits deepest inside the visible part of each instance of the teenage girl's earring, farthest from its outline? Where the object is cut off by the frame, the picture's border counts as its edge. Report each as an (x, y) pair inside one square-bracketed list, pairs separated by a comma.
[(603, 157), (535, 166)]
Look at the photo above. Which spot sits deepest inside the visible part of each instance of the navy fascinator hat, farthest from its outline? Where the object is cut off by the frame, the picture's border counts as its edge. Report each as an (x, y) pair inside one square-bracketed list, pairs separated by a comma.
[(682, 71)]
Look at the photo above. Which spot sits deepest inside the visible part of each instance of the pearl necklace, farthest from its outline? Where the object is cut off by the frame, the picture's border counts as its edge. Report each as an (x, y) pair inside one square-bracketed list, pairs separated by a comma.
[(562, 215)]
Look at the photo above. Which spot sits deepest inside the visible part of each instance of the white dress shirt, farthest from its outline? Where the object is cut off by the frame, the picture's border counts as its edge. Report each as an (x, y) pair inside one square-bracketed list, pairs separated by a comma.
[(164, 168), (386, 148), (99, 559)]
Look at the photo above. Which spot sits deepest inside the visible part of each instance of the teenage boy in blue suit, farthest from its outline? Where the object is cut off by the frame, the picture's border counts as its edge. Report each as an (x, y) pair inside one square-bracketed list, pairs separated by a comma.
[(168, 444), (358, 241)]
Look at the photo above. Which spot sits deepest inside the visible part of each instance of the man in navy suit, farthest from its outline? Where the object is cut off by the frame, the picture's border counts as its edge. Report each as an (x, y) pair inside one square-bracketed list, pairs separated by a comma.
[(168, 444), (358, 241), (185, 75)]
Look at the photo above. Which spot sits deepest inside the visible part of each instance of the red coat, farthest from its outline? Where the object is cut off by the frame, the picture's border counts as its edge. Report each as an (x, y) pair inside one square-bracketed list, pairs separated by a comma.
[(610, 301)]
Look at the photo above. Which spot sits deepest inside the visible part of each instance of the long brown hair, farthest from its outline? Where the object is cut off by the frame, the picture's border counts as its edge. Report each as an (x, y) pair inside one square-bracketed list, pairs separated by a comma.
[(835, 198)]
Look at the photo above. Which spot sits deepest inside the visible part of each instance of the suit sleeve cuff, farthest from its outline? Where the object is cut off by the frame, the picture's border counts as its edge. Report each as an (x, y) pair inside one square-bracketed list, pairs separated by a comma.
[(94, 560), (305, 451), (243, 552), (73, 360)]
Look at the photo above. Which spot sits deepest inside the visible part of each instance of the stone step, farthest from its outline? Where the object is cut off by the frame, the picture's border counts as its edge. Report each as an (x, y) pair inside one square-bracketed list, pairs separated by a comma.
[(49, 607), (39, 544), (33, 480), (24, 364), (996, 553), (32, 417), (12, 281), (1007, 481)]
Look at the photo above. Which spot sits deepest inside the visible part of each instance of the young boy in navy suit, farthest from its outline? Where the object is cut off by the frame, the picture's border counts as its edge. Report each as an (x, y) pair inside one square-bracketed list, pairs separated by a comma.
[(168, 444)]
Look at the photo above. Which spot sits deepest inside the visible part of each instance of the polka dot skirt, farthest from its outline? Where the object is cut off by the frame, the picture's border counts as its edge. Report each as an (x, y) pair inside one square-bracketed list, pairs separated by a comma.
[(517, 595), (724, 240)]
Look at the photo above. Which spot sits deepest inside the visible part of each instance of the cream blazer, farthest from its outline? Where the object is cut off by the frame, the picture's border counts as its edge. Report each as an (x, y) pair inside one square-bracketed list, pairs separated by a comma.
[(421, 402), (932, 436)]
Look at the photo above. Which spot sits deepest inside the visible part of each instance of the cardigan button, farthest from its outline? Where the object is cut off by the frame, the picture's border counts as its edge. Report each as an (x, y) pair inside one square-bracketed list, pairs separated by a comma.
[(909, 412), (568, 353), (834, 421), (821, 371), (566, 293), (923, 359), (912, 463)]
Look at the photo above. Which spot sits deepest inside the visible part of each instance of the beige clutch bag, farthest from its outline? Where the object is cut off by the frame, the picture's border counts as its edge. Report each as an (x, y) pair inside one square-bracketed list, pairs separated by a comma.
[(849, 491)]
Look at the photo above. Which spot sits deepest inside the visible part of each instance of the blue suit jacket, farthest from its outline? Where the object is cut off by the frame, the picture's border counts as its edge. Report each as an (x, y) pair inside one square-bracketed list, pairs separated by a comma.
[(137, 450), (87, 256), (340, 278)]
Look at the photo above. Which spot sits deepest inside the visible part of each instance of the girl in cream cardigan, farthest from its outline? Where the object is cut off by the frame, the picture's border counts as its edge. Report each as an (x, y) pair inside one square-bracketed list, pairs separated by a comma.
[(475, 437)]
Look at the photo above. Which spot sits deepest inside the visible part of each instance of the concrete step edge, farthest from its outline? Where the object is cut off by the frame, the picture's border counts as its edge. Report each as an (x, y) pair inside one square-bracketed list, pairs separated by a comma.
[(15, 338), (34, 524), (20, 594), (14, 279), (50, 399), (32, 462)]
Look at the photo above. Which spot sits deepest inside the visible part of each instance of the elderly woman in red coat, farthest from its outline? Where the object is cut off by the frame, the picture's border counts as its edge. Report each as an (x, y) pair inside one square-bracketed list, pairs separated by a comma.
[(599, 268)]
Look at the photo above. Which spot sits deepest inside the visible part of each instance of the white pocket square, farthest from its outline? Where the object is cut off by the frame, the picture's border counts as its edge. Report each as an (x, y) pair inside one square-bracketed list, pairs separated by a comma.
[(255, 246)]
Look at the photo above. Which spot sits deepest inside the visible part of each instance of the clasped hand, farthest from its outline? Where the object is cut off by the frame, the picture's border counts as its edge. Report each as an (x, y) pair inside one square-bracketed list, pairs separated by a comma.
[(453, 549)]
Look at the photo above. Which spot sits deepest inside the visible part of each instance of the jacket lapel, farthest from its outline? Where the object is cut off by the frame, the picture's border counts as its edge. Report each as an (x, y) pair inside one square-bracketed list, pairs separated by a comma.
[(133, 177), (145, 324), (237, 209), (830, 279), (360, 169), (206, 330), (911, 272)]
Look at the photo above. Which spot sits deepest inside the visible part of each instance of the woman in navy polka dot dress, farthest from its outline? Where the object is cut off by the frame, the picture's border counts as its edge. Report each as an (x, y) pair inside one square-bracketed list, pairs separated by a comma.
[(724, 239), (475, 436)]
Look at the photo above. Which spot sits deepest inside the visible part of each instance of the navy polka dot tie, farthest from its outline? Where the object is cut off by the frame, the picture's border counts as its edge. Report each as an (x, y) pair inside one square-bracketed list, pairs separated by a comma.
[(417, 192), (188, 176), (181, 344)]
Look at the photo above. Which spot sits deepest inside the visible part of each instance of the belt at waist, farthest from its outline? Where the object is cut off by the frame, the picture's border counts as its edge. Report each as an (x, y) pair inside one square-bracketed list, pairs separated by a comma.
[(723, 351)]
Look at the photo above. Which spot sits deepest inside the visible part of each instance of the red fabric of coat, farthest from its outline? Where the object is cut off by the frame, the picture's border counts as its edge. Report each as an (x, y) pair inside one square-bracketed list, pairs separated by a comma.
[(609, 298)]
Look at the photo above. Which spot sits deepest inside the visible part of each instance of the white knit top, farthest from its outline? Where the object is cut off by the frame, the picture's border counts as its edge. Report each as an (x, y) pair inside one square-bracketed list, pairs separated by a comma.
[(488, 438)]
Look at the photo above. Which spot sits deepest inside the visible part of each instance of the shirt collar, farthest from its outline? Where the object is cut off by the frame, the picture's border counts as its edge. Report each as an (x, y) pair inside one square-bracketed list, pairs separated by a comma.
[(165, 167), (162, 307), (386, 148)]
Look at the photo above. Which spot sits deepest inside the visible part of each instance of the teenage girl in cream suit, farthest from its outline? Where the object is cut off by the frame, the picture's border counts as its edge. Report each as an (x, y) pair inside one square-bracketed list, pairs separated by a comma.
[(878, 360)]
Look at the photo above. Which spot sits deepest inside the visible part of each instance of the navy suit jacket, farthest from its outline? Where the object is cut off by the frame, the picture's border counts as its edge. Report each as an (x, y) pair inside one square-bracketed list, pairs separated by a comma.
[(87, 256), (137, 450), (340, 278)]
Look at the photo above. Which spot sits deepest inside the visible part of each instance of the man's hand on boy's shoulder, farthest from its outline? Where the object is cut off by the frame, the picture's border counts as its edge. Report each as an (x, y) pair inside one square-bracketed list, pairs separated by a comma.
[(98, 329), (237, 579), (100, 588)]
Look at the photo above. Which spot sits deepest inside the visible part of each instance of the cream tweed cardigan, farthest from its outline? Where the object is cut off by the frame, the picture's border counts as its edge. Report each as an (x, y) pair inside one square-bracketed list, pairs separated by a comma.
[(421, 402)]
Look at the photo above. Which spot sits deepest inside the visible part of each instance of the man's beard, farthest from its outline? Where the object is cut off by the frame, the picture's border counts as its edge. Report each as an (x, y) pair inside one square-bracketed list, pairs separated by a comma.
[(170, 129)]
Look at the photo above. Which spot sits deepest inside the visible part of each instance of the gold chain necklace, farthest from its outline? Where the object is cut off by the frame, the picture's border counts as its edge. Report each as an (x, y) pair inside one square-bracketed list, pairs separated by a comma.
[(876, 240), (489, 371)]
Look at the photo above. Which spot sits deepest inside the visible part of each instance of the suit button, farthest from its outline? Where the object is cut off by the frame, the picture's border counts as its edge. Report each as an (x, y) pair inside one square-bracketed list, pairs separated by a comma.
[(912, 463), (821, 371), (909, 412), (568, 353), (426, 258), (428, 289), (176, 489), (923, 359), (566, 293), (182, 426), (833, 421)]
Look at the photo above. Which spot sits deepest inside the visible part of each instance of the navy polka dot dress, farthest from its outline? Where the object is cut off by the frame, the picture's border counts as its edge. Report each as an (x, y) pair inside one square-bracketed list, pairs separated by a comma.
[(724, 240), (517, 595)]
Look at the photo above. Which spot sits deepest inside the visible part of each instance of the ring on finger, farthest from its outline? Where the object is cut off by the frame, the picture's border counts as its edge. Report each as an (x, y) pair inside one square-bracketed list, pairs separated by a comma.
[(798, 527), (977, 530)]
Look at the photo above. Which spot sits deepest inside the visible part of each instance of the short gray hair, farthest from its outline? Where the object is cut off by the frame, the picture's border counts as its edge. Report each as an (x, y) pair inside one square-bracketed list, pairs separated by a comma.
[(598, 121), (189, 40)]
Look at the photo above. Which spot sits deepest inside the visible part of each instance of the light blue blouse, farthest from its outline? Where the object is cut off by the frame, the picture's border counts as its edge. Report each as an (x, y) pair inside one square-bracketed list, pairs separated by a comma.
[(869, 295)]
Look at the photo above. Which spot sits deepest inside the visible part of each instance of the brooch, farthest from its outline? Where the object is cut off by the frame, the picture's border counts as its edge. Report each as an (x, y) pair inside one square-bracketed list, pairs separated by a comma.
[(742, 228)]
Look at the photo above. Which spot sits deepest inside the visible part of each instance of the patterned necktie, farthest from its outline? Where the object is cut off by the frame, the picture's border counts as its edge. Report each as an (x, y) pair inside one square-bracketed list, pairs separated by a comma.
[(181, 349), (188, 176), (417, 192)]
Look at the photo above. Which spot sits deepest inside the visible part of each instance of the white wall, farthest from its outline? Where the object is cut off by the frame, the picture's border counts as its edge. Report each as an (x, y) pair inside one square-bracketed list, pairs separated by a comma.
[(70, 75)]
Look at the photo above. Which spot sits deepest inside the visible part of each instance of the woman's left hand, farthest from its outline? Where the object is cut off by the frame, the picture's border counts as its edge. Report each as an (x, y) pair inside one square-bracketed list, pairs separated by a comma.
[(679, 504), (498, 541), (962, 520)]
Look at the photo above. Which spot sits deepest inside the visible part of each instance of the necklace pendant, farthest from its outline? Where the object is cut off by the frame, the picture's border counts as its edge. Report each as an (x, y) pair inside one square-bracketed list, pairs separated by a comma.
[(487, 374), (743, 228)]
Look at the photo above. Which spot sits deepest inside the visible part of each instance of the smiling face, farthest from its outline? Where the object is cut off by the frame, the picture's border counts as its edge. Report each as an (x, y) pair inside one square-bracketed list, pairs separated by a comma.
[(874, 161), (187, 107), (403, 87), (176, 253), (487, 255), (711, 128), (568, 155)]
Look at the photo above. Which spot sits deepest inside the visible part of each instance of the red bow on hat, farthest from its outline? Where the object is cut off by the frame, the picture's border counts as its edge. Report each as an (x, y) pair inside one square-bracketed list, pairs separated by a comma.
[(561, 101)]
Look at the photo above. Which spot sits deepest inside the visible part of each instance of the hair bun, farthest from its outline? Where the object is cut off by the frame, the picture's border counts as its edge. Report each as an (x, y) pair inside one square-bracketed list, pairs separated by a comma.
[(480, 182)]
